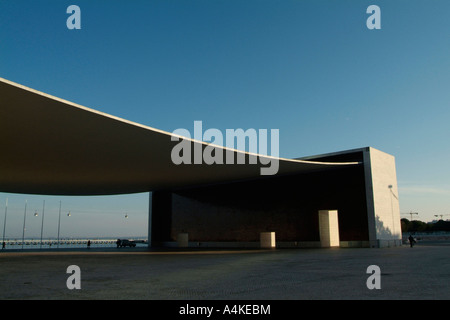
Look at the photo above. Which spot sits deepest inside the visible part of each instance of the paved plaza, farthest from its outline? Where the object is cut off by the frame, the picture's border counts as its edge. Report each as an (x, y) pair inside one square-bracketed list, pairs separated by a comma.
[(422, 272)]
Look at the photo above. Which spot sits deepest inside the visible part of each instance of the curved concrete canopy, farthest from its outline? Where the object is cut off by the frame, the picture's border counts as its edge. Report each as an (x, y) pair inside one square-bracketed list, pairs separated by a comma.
[(56, 147)]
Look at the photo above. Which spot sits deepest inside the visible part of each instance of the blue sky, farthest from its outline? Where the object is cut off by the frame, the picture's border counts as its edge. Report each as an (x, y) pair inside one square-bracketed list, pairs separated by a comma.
[(311, 69)]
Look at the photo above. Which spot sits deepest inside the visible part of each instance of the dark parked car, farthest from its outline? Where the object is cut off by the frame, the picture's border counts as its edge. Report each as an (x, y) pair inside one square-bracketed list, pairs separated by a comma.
[(125, 243)]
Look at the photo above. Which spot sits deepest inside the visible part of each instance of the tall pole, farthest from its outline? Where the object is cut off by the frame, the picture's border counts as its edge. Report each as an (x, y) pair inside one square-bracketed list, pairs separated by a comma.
[(42, 225), (24, 218), (59, 220), (4, 223), (392, 210)]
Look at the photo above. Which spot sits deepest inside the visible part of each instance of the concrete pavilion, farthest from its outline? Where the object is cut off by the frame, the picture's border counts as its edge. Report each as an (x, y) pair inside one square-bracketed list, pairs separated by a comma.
[(346, 198)]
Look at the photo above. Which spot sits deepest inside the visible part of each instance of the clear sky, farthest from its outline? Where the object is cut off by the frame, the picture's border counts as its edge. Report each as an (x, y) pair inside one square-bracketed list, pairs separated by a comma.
[(311, 69)]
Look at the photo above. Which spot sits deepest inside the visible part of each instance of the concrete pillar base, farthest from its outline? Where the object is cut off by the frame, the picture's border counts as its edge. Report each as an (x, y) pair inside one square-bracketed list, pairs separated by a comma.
[(267, 239), (329, 228), (183, 240)]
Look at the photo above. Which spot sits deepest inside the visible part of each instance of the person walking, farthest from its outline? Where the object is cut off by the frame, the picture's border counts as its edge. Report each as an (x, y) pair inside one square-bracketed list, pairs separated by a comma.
[(89, 244), (411, 240)]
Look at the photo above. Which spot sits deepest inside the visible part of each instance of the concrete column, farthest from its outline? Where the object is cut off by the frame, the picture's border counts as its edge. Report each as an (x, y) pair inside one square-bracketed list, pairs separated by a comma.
[(267, 239), (329, 228), (183, 240)]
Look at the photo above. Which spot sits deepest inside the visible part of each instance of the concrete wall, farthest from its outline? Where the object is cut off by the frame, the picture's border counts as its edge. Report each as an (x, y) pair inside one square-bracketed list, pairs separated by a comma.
[(383, 207)]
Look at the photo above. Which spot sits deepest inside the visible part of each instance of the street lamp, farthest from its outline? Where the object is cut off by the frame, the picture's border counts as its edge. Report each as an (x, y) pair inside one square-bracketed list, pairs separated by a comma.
[(42, 225), (24, 218), (4, 224), (392, 207), (59, 220)]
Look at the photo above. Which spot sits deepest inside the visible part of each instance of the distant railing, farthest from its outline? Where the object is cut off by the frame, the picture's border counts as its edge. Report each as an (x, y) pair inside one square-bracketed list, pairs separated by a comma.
[(62, 243)]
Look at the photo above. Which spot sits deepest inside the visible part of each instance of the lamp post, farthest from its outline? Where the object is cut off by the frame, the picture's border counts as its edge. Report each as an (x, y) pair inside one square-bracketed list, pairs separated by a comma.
[(59, 222), (392, 208), (42, 225), (24, 218), (4, 224)]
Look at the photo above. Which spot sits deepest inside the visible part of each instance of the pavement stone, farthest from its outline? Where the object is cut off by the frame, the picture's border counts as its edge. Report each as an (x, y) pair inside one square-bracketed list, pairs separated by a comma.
[(419, 273)]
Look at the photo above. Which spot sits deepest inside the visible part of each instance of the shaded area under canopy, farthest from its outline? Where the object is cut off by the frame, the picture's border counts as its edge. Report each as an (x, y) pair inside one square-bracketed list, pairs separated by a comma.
[(56, 147)]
